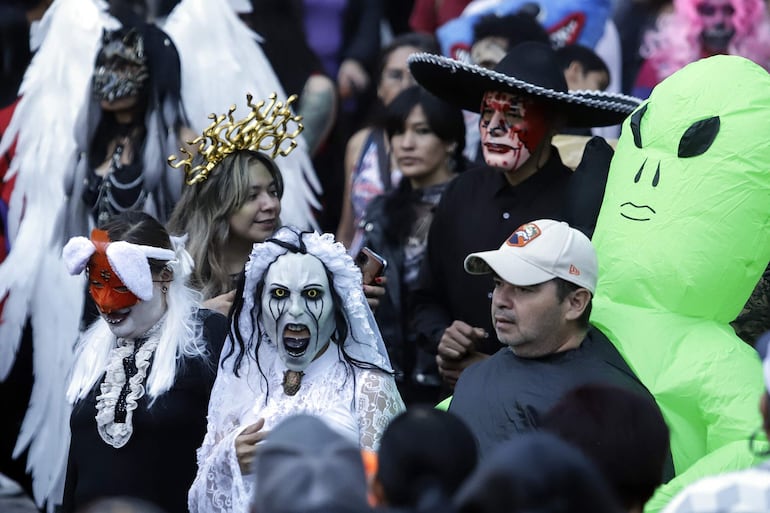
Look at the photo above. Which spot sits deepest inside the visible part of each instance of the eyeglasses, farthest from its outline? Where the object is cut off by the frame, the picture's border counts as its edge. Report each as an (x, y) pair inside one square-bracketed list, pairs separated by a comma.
[(705, 9)]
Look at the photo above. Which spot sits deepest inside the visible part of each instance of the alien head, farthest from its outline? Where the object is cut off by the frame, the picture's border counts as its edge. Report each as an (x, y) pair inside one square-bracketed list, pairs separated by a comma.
[(685, 218)]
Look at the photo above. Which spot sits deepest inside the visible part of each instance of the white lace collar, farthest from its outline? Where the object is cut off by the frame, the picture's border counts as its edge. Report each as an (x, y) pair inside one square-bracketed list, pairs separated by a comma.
[(114, 433)]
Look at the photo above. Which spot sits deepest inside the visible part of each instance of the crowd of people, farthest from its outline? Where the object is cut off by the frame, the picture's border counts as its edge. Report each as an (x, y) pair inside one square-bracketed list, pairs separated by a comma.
[(461, 256)]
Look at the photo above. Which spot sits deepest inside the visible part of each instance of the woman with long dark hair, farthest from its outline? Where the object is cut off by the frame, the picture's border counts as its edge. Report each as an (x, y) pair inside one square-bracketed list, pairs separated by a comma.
[(367, 161), (132, 122), (427, 138)]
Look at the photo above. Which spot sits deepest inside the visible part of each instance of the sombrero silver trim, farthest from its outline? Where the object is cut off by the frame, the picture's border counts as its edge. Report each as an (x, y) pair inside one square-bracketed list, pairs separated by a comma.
[(583, 108)]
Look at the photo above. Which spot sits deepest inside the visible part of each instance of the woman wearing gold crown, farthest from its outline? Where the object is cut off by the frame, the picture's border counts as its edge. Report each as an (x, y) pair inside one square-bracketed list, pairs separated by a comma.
[(302, 340), (233, 197), (234, 192)]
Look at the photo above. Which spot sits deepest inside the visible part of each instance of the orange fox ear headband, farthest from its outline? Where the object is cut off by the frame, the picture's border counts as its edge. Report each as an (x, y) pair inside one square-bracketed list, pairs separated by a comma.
[(119, 273)]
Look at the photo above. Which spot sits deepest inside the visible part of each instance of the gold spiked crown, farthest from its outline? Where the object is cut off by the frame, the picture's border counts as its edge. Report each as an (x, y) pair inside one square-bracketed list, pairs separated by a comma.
[(264, 129)]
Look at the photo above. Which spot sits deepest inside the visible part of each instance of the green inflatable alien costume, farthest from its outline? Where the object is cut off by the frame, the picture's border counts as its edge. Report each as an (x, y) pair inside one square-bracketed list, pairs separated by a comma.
[(683, 236)]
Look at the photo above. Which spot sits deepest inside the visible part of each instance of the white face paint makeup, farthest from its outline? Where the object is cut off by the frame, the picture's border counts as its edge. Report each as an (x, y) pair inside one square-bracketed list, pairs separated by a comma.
[(297, 308), (511, 128), (134, 321), (489, 51), (718, 24)]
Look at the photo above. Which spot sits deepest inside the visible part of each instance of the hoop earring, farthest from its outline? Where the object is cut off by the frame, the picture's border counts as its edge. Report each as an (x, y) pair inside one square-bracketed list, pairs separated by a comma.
[(164, 289), (753, 442)]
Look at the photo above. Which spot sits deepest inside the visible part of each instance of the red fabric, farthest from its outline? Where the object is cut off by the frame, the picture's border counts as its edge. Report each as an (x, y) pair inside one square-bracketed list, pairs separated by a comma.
[(646, 80), (428, 15), (6, 188)]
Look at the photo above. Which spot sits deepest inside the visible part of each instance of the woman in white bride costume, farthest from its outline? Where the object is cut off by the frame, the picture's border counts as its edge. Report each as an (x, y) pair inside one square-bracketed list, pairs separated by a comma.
[(302, 340)]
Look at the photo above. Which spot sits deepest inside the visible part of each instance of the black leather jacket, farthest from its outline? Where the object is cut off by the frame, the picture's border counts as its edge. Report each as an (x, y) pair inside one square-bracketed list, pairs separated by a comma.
[(412, 363)]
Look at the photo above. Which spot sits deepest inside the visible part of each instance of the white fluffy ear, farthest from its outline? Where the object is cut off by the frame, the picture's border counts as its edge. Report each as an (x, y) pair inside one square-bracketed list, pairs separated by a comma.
[(76, 254), (130, 264), (183, 263), (179, 241)]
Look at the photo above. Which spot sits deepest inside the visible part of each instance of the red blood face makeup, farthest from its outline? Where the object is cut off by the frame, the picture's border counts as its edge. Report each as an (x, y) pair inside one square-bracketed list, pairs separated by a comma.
[(512, 127)]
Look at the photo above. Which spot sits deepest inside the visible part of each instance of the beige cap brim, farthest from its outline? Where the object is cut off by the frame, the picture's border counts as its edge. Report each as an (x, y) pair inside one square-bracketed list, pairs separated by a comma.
[(510, 268)]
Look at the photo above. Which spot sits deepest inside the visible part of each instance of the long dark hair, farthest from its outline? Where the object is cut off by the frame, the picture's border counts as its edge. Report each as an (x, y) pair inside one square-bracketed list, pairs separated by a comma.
[(425, 455), (138, 228), (163, 90), (447, 123), (159, 114), (250, 347)]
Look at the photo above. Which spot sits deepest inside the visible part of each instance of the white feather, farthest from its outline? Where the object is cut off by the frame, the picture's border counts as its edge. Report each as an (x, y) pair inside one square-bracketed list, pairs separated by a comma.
[(222, 62), (38, 286), (45, 430), (52, 92)]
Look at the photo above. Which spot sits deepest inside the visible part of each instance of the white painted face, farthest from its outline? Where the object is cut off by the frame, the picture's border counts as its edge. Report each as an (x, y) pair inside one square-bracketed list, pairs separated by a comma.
[(134, 321), (297, 308), (511, 129), (718, 21)]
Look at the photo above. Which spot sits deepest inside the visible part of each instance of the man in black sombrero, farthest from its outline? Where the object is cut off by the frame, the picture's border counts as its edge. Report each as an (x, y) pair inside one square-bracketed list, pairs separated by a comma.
[(523, 102)]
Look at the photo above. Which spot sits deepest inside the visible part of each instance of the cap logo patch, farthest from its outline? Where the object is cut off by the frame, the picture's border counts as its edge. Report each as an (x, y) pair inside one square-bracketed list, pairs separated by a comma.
[(574, 270), (523, 235)]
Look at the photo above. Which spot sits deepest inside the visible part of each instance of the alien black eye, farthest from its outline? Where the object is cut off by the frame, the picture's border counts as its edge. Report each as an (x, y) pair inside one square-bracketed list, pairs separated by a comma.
[(699, 137), (636, 125)]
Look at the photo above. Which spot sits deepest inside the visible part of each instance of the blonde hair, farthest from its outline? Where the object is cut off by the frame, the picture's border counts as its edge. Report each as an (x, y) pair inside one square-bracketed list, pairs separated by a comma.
[(203, 213)]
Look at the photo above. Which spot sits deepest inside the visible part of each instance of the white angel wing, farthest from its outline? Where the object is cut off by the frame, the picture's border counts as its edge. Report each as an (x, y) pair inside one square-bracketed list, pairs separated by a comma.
[(33, 275), (221, 62), (45, 430)]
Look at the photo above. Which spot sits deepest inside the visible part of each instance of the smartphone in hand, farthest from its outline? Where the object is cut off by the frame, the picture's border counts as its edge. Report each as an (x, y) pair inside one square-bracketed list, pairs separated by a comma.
[(371, 264)]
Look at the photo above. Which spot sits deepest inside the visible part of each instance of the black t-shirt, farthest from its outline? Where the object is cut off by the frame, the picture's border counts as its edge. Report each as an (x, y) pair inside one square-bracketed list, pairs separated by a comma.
[(505, 394)]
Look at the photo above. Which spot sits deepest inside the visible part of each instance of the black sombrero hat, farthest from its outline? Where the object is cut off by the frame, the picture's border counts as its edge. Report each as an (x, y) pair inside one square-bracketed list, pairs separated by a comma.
[(529, 68)]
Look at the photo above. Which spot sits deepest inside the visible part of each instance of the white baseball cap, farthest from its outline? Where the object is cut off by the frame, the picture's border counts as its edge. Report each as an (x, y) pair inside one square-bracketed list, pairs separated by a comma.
[(538, 252)]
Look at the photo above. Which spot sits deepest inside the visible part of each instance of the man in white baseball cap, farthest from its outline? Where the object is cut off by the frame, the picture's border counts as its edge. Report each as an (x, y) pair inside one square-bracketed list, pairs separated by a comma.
[(540, 251), (545, 276), (536, 258)]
